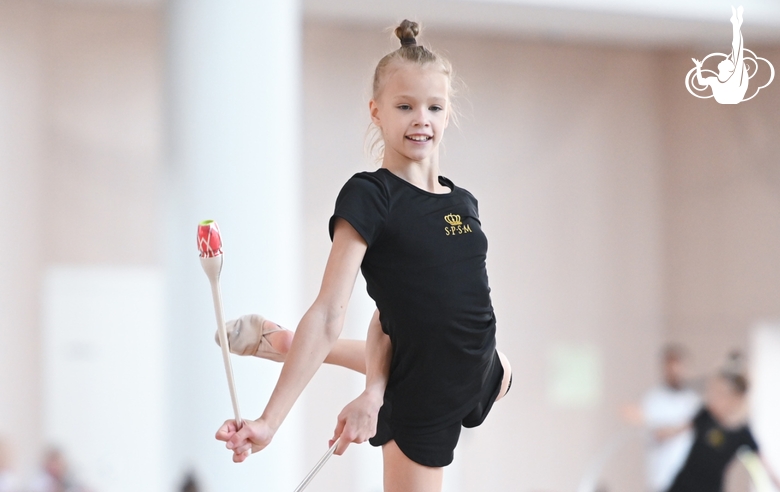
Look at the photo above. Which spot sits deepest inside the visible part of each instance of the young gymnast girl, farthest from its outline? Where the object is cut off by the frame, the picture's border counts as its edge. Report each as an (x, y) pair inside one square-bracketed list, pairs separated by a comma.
[(430, 355)]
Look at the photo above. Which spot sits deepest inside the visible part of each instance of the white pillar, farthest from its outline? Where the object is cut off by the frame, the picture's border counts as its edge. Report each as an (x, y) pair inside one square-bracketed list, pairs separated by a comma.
[(20, 165), (233, 96)]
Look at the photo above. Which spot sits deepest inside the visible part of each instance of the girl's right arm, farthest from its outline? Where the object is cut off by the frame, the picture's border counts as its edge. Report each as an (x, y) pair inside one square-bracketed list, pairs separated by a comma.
[(314, 338)]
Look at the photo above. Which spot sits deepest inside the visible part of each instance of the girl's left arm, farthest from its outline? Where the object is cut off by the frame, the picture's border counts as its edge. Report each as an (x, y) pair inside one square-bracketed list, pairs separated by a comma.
[(357, 421)]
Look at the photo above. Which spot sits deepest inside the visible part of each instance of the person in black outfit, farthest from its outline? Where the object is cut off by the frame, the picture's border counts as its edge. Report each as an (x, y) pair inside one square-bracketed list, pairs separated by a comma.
[(720, 431), (430, 356)]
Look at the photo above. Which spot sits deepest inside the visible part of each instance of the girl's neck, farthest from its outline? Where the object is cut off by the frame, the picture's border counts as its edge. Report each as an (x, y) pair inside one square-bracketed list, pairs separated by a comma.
[(422, 174)]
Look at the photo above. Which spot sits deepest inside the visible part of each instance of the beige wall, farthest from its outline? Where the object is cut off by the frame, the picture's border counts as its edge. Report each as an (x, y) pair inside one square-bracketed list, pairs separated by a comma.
[(21, 163), (721, 180), (103, 134), (80, 155), (722, 214)]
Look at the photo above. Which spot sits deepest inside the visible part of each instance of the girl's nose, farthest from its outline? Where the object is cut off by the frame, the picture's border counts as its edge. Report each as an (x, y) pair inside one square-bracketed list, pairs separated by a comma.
[(421, 118)]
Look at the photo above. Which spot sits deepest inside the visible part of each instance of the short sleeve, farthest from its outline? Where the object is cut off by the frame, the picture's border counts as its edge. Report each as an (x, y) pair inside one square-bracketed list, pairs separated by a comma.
[(363, 202), (476, 204), (750, 441)]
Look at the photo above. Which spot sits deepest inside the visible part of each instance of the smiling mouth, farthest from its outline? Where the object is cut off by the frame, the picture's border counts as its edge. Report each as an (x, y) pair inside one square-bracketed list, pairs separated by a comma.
[(419, 138)]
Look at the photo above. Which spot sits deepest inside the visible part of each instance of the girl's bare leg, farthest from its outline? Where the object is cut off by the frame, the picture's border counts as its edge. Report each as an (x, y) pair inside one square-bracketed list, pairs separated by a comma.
[(352, 355), (404, 475), (401, 474), (346, 353)]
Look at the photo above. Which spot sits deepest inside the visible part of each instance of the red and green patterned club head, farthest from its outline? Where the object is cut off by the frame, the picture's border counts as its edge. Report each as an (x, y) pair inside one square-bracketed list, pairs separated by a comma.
[(209, 239)]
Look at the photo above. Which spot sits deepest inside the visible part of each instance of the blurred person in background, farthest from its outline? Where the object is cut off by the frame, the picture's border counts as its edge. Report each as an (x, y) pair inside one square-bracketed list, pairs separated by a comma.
[(190, 483), (8, 480), (721, 431), (55, 475), (666, 407), (669, 405)]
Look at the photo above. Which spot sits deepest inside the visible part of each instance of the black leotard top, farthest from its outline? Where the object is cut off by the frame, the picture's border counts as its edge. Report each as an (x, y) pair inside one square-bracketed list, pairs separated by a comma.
[(425, 269)]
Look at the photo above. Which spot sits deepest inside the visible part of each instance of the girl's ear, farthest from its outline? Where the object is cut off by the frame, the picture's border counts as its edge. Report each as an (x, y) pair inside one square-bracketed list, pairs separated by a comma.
[(373, 109)]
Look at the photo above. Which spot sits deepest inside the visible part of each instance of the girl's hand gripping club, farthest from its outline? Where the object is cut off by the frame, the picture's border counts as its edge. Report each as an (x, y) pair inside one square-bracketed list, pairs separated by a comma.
[(210, 247)]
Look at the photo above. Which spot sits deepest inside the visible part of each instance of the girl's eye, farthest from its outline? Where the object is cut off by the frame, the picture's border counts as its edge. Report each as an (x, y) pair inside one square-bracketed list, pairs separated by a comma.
[(435, 108), (404, 107)]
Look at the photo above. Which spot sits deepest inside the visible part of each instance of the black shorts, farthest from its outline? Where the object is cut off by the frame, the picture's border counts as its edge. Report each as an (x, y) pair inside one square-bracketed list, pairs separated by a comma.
[(436, 448)]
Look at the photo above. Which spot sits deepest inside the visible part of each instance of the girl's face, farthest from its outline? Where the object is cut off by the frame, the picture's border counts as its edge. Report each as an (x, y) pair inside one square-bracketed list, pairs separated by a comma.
[(412, 111), (722, 400)]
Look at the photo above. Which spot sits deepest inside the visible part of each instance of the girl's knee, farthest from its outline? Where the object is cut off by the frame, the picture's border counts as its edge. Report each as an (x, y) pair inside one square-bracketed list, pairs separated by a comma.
[(506, 382)]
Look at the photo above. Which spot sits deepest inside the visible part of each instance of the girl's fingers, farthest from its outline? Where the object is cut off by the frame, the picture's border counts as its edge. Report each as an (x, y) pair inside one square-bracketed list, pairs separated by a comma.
[(240, 438), (342, 446), (227, 430), (243, 449), (238, 458), (337, 432)]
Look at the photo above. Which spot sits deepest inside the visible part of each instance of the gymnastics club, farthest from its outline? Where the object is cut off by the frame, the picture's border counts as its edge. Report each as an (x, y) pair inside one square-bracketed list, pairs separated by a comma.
[(308, 478), (210, 247)]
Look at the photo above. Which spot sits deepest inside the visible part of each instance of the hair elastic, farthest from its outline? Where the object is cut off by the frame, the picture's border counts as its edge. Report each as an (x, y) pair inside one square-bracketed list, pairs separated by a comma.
[(408, 42)]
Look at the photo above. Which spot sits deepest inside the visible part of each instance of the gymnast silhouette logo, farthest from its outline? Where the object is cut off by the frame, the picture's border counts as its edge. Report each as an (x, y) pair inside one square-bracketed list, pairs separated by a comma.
[(730, 84)]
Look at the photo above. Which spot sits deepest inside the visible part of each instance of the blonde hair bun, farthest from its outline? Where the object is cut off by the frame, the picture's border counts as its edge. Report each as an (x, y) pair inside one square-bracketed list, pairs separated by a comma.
[(407, 32)]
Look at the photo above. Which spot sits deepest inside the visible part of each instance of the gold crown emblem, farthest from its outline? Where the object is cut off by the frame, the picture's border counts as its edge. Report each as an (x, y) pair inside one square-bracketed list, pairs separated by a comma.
[(453, 219)]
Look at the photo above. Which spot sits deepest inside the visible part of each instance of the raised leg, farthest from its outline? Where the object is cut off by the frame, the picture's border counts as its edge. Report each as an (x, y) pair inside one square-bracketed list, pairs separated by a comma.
[(254, 335), (346, 353), (350, 354), (404, 475)]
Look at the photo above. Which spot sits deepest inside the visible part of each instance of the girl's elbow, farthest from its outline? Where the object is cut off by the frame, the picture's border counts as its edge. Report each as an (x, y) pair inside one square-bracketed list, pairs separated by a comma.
[(333, 330), (331, 321)]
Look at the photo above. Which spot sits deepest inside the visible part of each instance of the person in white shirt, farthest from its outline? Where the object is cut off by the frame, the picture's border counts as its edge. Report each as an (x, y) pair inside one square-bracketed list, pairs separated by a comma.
[(670, 405)]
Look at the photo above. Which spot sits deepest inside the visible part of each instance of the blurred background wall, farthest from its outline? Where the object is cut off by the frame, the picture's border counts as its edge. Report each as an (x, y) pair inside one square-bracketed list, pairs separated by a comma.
[(622, 213), (82, 136)]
